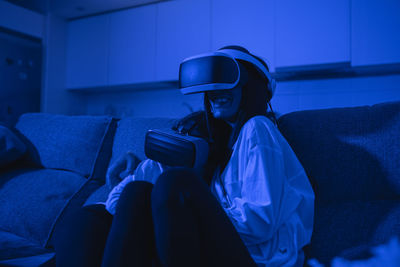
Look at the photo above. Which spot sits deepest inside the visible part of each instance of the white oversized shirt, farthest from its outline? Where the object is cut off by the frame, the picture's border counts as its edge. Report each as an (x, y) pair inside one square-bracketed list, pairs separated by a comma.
[(269, 198), (148, 170)]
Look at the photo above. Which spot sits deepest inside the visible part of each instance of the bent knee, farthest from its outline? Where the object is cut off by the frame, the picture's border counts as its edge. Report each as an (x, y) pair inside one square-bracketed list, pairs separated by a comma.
[(172, 187), (135, 192)]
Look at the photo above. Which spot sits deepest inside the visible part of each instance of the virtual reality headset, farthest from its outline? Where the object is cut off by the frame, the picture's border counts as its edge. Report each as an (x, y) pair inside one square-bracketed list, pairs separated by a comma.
[(173, 149), (219, 70)]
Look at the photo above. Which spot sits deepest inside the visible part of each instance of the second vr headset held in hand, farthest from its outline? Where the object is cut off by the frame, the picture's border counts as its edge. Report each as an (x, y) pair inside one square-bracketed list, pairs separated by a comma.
[(174, 149), (220, 70)]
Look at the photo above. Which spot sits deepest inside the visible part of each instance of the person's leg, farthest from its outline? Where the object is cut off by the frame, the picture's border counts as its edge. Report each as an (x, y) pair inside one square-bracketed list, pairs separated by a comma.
[(191, 228), (131, 238), (82, 237)]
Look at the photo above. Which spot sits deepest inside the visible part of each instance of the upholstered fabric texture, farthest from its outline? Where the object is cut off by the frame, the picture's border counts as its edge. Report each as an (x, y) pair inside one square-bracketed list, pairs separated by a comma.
[(131, 133), (130, 136), (11, 147), (13, 246), (352, 157), (100, 195), (65, 142), (31, 200), (347, 226), (348, 153)]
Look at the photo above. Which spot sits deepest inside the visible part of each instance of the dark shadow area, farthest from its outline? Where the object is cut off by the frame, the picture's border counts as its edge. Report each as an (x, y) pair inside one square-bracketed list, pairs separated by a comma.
[(31, 159)]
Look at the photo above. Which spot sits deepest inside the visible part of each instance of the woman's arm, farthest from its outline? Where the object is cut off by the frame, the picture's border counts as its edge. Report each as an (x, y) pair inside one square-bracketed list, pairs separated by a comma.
[(256, 212), (148, 170), (112, 200), (273, 186), (274, 214), (122, 167)]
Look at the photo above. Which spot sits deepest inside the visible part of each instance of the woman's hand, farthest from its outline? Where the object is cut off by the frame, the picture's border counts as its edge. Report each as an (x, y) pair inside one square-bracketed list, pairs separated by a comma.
[(121, 168), (148, 170)]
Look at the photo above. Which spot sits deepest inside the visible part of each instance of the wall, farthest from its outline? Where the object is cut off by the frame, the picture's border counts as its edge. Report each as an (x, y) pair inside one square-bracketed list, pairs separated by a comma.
[(51, 32), (144, 103), (290, 96), (21, 33), (21, 20), (305, 36), (55, 99), (20, 76), (341, 92)]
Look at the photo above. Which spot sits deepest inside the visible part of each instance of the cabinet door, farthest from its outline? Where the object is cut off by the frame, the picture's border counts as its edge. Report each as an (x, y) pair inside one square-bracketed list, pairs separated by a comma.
[(132, 45), (312, 32), (87, 52), (183, 30), (375, 32), (245, 23)]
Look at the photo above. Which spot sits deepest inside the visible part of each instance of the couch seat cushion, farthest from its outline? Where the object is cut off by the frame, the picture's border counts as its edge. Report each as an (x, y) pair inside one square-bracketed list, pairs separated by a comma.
[(98, 196), (17, 251), (32, 199), (340, 228), (65, 142)]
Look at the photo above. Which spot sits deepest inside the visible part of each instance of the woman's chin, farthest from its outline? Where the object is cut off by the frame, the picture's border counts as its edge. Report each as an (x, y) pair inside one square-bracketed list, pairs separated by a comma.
[(221, 115)]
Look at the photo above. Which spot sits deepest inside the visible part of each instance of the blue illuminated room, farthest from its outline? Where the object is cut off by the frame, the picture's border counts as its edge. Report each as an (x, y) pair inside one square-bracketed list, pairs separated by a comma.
[(200, 133)]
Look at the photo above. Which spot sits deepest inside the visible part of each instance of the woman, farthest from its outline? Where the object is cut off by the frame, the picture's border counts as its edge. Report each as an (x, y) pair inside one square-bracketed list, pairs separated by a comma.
[(253, 207)]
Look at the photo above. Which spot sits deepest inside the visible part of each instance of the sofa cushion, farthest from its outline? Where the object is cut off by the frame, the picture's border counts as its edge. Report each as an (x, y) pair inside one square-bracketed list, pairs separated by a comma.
[(74, 143), (31, 200), (131, 132), (343, 228), (42, 260), (351, 156), (129, 136), (11, 147), (348, 153), (99, 196), (74, 203), (17, 251)]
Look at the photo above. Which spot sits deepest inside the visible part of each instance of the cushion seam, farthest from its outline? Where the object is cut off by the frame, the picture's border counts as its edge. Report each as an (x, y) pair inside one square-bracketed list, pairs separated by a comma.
[(100, 148), (33, 241), (61, 212)]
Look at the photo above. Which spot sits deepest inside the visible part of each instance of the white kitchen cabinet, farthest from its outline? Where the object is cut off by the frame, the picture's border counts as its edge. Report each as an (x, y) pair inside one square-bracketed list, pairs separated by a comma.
[(312, 32), (132, 45), (245, 23), (87, 52), (183, 30), (375, 32)]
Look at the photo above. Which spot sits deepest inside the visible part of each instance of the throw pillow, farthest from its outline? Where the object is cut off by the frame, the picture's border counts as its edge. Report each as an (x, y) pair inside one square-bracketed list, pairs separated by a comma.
[(11, 147)]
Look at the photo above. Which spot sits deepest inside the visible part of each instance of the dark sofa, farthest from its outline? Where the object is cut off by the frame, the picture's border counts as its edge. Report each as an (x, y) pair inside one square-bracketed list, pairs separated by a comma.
[(351, 155)]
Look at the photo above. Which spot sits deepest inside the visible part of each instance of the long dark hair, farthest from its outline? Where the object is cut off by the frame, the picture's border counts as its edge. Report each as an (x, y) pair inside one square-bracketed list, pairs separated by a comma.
[(219, 134), (254, 102)]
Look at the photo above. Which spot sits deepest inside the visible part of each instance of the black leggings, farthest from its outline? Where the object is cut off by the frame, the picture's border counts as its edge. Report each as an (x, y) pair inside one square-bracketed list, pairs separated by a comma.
[(177, 222)]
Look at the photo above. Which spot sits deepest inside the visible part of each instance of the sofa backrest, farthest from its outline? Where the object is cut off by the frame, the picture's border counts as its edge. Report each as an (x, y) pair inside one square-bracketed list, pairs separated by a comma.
[(348, 153), (81, 144), (131, 132), (352, 158)]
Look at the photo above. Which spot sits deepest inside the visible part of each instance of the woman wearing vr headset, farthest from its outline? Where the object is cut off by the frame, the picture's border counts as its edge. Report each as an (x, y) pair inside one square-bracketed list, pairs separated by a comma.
[(253, 207)]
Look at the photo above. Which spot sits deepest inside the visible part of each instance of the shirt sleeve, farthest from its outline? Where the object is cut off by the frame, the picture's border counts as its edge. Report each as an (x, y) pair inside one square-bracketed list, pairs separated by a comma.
[(256, 212), (148, 170), (113, 197), (274, 204)]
